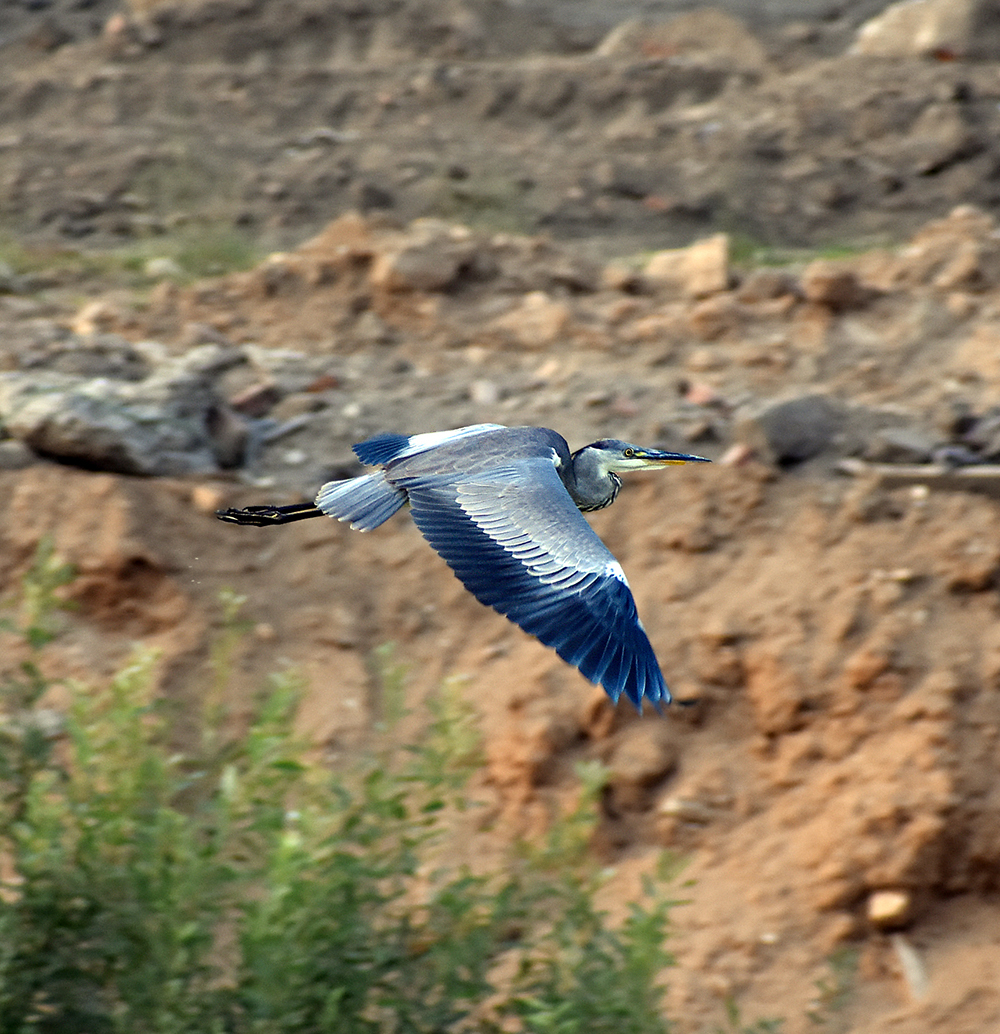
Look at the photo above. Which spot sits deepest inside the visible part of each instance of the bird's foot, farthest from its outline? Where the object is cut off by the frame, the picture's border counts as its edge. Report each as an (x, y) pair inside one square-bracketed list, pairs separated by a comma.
[(265, 516)]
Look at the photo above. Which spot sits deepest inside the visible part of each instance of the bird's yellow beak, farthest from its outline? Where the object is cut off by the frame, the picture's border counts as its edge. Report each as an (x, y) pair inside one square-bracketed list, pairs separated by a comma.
[(655, 456)]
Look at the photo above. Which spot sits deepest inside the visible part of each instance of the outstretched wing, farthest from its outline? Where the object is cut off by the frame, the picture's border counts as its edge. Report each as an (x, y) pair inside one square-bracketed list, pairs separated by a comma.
[(515, 538)]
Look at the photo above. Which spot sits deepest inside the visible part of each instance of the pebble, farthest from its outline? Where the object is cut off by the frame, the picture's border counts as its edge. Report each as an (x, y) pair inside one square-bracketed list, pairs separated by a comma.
[(889, 909), (206, 498)]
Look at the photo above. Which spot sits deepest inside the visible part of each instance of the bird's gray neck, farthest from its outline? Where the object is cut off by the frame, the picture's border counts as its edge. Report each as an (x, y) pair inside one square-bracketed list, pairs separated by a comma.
[(590, 484)]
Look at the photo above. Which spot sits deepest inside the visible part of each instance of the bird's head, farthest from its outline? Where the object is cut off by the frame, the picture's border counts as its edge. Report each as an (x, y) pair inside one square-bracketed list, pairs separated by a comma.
[(611, 455)]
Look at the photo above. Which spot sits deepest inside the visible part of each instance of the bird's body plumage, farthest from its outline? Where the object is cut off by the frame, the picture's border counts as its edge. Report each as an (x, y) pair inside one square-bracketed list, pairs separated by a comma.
[(502, 505)]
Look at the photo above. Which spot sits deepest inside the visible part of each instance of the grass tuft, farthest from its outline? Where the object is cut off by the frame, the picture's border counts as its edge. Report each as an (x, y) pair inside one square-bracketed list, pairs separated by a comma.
[(240, 887)]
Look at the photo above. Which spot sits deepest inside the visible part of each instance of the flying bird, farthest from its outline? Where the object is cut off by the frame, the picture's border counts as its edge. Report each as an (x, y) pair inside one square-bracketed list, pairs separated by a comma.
[(503, 506)]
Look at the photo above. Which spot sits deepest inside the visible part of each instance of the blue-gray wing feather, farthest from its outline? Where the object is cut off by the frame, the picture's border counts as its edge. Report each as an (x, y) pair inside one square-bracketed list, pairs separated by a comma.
[(516, 540)]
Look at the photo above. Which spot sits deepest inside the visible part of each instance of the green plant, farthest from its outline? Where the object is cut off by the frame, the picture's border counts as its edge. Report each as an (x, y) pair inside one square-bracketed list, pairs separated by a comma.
[(834, 992), (27, 733), (582, 975), (238, 887), (735, 1024)]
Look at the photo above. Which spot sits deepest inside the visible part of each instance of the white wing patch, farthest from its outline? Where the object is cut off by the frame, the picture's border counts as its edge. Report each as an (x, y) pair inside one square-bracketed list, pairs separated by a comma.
[(432, 439), (614, 570)]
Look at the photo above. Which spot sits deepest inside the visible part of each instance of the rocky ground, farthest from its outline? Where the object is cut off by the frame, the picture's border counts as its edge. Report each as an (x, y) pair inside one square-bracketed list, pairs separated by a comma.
[(827, 589)]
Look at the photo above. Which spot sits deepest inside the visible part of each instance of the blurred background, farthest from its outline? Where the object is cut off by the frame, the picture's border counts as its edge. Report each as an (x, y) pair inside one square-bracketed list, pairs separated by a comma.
[(237, 236)]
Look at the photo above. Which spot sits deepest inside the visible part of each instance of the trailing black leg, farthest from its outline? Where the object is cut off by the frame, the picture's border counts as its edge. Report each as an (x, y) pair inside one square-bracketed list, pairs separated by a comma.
[(264, 516)]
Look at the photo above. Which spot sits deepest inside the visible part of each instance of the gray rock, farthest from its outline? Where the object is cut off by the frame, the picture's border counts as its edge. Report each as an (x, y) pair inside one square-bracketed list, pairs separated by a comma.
[(171, 423), (900, 445), (983, 435), (371, 329), (15, 455), (288, 370), (10, 282), (96, 355), (793, 430)]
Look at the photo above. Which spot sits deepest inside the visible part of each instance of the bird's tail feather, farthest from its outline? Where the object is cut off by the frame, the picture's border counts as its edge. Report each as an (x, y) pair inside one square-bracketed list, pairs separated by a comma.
[(365, 502)]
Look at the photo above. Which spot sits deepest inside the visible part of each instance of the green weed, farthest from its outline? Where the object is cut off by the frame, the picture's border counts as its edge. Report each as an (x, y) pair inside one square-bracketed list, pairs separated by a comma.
[(833, 993), (240, 888)]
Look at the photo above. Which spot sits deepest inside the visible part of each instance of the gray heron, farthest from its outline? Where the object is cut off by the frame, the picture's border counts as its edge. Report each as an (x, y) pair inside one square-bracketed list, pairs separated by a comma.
[(502, 505)]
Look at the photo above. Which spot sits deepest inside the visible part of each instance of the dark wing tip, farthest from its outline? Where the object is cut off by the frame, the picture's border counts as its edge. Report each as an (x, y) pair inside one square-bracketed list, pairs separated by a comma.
[(380, 449)]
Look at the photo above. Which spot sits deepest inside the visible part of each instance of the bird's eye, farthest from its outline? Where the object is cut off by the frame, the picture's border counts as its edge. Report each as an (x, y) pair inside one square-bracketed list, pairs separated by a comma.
[(629, 453)]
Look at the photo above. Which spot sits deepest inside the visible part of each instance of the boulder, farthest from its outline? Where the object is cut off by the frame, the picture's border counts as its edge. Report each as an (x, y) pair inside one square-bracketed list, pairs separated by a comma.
[(932, 28), (793, 430), (707, 37), (697, 271), (429, 258), (171, 423), (900, 445)]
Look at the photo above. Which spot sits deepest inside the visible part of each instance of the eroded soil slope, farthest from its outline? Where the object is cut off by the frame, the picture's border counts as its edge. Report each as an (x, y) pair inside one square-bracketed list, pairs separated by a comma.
[(839, 632)]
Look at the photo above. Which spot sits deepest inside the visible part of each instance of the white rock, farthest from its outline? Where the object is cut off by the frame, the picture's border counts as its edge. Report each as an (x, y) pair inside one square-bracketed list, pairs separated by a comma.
[(924, 28), (889, 909), (162, 268)]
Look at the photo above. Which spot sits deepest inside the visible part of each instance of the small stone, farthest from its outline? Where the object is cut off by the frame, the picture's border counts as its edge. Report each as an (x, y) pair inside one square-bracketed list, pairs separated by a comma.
[(206, 498), (10, 282), (15, 455), (539, 320), (715, 317), (960, 304), (370, 197), (95, 317), (737, 455), (618, 276), (162, 268), (890, 909), (686, 809), (428, 259), (962, 270), (371, 329), (699, 270), (761, 285), (900, 445), (912, 966), (707, 37), (196, 333), (827, 283), (484, 392), (257, 400), (701, 393), (703, 360)]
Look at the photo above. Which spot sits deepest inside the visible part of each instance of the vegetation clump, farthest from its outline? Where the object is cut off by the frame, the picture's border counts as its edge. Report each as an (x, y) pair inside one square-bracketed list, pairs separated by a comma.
[(240, 887)]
